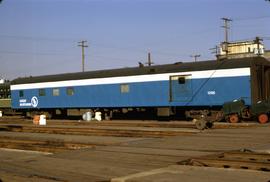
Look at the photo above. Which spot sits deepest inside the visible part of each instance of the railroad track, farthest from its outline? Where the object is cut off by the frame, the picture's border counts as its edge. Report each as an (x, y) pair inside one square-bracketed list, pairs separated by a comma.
[(245, 159), (51, 146), (119, 123), (155, 124), (98, 131), (54, 145)]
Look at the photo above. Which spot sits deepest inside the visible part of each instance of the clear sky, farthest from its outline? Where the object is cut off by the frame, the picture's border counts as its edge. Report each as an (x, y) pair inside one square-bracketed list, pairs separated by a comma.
[(40, 37)]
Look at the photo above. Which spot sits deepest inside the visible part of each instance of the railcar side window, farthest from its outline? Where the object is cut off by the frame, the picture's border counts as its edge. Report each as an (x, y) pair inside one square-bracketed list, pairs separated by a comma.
[(21, 93), (181, 80), (56, 92), (124, 88), (70, 91), (42, 92)]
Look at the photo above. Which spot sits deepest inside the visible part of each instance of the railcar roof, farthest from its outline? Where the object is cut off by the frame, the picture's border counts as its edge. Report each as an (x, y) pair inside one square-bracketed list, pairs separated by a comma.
[(176, 67)]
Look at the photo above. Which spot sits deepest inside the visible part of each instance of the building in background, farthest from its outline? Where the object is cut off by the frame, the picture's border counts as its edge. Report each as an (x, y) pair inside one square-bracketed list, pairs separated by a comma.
[(242, 49)]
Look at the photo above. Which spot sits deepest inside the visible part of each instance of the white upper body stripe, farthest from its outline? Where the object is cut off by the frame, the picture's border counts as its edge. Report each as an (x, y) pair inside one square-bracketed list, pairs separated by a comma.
[(235, 72)]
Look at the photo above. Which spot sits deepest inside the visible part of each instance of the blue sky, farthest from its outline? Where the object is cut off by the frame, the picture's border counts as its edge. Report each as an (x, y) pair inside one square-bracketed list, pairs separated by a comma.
[(39, 37)]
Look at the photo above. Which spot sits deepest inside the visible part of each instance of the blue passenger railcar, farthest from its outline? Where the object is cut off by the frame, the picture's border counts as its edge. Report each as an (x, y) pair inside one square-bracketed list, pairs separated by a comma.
[(165, 88)]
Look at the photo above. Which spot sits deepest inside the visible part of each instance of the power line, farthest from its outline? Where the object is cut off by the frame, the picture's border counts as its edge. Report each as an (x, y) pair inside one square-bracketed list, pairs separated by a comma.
[(126, 48), (32, 38), (135, 49), (32, 53), (251, 18)]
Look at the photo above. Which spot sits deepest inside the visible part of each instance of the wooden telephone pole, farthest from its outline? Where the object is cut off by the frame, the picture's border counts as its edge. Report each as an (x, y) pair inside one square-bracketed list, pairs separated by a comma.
[(195, 57), (83, 45), (226, 34), (149, 61)]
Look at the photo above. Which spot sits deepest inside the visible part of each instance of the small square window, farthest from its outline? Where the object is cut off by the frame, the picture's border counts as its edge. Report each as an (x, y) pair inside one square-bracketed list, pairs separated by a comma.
[(56, 92), (42, 92), (70, 91), (21, 93), (124, 88), (181, 80)]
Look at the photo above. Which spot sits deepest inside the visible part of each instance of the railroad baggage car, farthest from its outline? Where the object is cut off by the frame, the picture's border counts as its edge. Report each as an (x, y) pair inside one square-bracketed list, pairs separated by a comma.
[(193, 88)]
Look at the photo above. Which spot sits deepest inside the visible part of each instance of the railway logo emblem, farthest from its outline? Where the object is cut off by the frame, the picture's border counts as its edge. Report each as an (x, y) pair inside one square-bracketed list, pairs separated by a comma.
[(34, 101)]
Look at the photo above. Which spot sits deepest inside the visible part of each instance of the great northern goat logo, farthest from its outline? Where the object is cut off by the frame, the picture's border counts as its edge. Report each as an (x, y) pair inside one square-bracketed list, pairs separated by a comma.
[(34, 101)]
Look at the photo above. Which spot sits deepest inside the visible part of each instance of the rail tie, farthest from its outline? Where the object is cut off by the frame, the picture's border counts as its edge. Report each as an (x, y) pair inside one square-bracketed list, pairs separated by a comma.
[(248, 160)]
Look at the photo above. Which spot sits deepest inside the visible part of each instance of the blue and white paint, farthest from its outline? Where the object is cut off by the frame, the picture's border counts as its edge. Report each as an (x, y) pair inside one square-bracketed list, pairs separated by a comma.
[(208, 87)]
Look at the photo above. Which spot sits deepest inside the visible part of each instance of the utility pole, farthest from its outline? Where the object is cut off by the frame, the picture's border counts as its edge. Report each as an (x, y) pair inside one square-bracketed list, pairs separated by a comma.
[(83, 45), (226, 32), (195, 57), (214, 50), (258, 42), (149, 62), (226, 28)]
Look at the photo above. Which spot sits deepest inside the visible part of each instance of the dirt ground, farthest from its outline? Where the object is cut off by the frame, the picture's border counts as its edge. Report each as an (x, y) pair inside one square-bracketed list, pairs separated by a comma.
[(120, 159)]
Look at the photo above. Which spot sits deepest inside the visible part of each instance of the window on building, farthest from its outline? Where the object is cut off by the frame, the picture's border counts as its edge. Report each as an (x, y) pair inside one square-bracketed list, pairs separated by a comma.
[(56, 92), (70, 91), (42, 92), (124, 88), (21, 93)]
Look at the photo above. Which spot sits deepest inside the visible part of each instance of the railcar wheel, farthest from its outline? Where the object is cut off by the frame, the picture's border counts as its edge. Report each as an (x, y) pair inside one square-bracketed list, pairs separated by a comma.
[(234, 118), (201, 124), (263, 118)]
